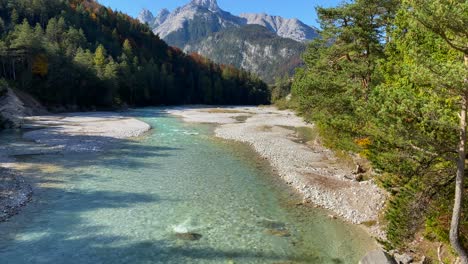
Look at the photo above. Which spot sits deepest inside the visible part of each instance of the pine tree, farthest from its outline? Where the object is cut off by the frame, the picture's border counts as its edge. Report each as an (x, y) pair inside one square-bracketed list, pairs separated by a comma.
[(22, 36), (127, 49), (14, 17), (446, 69), (100, 57)]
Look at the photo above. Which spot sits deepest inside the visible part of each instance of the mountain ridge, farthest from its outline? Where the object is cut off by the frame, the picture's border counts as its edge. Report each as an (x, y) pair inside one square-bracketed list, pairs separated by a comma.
[(291, 28)]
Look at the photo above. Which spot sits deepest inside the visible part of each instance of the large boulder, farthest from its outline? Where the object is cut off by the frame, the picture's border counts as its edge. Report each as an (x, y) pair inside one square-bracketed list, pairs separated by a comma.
[(377, 257)]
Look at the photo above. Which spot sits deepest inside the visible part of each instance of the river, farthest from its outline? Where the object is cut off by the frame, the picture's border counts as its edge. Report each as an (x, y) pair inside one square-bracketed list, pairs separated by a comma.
[(136, 202)]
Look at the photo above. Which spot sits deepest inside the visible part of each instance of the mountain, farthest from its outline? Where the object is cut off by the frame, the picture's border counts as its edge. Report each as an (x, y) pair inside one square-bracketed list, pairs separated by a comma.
[(191, 22), (197, 23), (161, 17), (186, 18), (254, 48), (283, 27), (146, 16)]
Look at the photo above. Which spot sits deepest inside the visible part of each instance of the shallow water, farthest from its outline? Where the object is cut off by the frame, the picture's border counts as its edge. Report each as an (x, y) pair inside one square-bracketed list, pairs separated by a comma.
[(127, 204)]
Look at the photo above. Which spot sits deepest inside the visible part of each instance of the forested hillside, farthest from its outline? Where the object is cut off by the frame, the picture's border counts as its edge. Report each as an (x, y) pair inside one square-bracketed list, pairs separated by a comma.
[(388, 79), (79, 54)]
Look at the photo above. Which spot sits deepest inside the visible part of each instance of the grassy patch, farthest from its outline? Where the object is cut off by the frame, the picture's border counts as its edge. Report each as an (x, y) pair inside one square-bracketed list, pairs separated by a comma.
[(303, 134), (370, 223), (306, 133), (265, 128)]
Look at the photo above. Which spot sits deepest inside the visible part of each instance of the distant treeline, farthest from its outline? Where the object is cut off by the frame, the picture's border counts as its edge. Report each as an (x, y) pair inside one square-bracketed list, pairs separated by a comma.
[(79, 53)]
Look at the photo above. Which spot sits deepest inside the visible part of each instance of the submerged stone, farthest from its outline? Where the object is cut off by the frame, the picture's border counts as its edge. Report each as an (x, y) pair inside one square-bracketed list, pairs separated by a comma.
[(272, 224), (189, 236), (278, 232)]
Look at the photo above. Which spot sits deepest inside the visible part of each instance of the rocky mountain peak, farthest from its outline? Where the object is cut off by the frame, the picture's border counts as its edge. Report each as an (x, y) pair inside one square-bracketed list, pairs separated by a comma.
[(163, 12), (209, 4), (161, 17), (145, 16), (287, 28)]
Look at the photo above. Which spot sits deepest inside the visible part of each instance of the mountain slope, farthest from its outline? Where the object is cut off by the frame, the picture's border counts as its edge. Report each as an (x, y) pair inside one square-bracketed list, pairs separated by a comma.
[(283, 27), (253, 48), (193, 26)]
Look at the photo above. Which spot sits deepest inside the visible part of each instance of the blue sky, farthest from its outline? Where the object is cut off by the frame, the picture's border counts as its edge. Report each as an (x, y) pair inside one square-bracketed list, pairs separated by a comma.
[(301, 9)]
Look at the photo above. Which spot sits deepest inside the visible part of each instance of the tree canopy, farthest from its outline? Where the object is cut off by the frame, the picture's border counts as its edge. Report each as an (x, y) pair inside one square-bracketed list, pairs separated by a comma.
[(79, 54), (388, 79)]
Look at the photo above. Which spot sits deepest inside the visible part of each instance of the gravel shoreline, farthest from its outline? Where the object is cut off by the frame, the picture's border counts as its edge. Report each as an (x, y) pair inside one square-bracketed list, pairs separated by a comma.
[(14, 193), (53, 134), (311, 169), (82, 132)]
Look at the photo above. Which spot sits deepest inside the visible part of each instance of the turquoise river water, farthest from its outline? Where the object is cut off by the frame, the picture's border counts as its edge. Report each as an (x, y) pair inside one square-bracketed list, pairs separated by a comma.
[(129, 203)]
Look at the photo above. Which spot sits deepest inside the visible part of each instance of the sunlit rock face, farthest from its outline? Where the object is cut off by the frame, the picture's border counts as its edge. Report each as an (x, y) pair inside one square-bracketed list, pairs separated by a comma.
[(283, 27), (146, 16), (209, 4)]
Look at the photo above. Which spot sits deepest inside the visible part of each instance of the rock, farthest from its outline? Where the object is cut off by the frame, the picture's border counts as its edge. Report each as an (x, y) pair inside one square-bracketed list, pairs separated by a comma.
[(189, 236), (278, 232), (146, 16), (359, 169), (403, 258), (272, 224), (332, 216), (299, 204), (377, 257)]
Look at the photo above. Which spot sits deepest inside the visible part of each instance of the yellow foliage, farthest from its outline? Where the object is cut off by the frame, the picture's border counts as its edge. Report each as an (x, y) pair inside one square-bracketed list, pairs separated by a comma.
[(40, 65), (363, 142)]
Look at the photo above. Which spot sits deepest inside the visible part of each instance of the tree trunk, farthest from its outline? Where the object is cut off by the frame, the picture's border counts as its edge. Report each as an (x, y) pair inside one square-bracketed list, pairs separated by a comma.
[(459, 182), (4, 69), (13, 69)]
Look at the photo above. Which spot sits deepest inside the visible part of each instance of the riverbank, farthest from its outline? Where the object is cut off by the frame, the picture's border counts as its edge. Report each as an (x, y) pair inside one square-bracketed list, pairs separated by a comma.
[(83, 131), (144, 200), (14, 193), (58, 134), (303, 163)]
